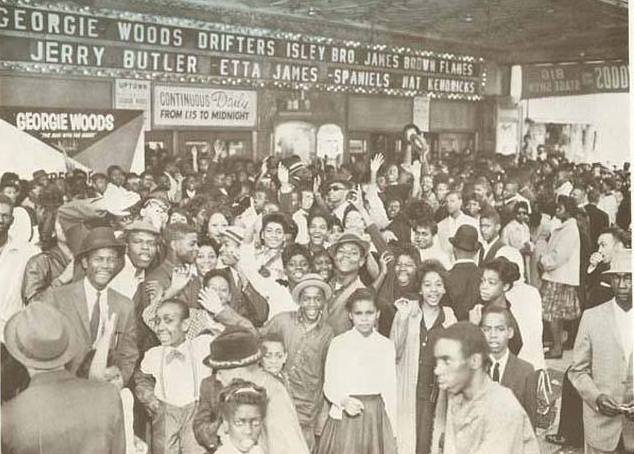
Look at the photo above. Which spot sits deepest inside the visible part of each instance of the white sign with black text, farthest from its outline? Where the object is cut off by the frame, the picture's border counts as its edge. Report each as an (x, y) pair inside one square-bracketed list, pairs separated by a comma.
[(134, 95), (176, 106)]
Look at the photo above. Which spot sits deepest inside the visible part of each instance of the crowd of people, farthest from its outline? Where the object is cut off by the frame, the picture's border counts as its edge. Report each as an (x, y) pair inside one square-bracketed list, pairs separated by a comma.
[(380, 306)]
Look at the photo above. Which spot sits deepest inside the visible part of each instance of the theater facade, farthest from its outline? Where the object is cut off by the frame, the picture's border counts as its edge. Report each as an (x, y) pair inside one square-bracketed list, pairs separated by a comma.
[(250, 84)]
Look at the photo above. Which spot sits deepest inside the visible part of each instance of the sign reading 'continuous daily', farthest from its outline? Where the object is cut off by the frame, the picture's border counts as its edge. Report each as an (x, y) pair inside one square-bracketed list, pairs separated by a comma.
[(540, 81), (56, 37)]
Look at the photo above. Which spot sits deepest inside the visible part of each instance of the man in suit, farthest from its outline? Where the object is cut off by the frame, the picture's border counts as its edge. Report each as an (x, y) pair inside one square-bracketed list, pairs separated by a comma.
[(463, 280), (597, 218), (89, 303), (58, 413), (570, 431), (603, 364), (506, 368), (182, 249), (490, 227)]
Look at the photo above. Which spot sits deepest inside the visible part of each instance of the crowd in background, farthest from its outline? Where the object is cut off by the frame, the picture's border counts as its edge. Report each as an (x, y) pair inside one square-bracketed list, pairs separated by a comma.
[(388, 304)]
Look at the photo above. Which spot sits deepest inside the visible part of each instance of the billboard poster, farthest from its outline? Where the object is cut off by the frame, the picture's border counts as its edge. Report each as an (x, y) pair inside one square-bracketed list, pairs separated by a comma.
[(91, 139)]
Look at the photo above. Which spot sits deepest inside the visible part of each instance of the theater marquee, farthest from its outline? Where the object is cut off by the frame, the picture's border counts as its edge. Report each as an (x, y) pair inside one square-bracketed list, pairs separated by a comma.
[(119, 44)]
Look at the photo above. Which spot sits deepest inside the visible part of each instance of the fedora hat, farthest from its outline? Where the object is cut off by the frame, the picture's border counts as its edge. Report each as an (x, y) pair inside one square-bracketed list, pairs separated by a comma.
[(621, 262), (235, 347), (311, 280), (98, 238), (141, 225), (350, 238), (41, 337), (466, 238)]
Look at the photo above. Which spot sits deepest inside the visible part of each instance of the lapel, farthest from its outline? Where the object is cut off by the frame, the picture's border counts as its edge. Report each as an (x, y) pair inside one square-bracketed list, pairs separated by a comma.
[(611, 319), (78, 298), (507, 377)]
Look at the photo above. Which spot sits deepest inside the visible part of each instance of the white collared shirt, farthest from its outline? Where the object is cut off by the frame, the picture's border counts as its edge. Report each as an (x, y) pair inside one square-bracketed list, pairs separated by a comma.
[(91, 299), (128, 279), (502, 362), (447, 228), (178, 380), (624, 323), (359, 365)]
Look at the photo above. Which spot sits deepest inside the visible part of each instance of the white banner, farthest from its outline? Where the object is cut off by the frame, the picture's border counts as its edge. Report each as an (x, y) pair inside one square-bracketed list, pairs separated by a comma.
[(134, 95), (178, 106), (420, 115)]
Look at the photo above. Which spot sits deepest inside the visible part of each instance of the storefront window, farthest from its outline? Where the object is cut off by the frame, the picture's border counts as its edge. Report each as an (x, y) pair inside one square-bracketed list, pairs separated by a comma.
[(295, 137)]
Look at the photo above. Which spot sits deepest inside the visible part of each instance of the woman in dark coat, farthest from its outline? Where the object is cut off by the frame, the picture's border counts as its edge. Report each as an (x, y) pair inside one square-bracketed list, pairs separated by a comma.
[(415, 327)]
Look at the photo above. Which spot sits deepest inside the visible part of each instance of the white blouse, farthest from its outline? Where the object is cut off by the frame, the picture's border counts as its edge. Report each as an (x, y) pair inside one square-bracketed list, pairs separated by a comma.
[(358, 365)]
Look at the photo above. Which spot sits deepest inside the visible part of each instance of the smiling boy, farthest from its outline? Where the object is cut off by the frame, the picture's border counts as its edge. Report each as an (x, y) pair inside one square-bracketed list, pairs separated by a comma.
[(168, 380)]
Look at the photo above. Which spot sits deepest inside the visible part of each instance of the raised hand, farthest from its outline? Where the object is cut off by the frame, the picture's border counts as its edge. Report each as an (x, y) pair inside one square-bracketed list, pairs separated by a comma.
[(208, 299), (282, 174), (475, 314), (181, 276), (376, 163), (316, 184), (416, 168), (384, 261), (154, 291)]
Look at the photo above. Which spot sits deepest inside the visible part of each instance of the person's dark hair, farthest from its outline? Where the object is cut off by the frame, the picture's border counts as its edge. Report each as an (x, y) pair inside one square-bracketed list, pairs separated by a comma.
[(277, 218), (320, 214), (111, 169), (204, 241), (182, 211), (182, 307), (98, 175), (241, 392), (508, 271), (471, 339), (273, 337), (409, 250), (617, 233), (593, 195), (519, 205), (292, 250), (568, 203), (428, 223), (491, 213), (216, 273), (361, 294), (178, 230), (431, 266), (491, 309)]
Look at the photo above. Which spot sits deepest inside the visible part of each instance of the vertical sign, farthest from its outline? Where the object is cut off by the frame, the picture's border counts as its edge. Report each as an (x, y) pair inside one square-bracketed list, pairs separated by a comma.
[(133, 94), (420, 116)]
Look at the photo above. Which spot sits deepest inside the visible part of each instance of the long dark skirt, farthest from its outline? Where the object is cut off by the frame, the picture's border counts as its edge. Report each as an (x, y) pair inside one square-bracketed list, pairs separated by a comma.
[(367, 433), (424, 425)]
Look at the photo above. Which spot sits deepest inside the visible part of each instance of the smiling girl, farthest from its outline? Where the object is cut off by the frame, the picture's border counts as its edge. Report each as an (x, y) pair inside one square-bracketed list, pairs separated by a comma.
[(417, 324)]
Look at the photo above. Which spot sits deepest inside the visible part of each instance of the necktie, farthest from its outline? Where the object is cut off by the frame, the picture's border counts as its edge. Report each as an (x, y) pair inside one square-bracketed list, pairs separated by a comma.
[(496, 373), (95, 318)]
